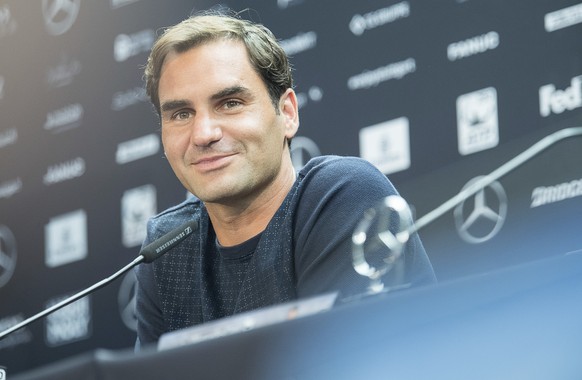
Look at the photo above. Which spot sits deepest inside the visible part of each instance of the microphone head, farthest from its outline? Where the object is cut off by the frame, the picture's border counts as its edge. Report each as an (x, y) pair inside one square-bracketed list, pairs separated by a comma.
[(158, 247)]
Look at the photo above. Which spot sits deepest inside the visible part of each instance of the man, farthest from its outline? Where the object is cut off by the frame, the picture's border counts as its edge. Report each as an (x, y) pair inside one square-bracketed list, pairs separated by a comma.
[(223, 89)]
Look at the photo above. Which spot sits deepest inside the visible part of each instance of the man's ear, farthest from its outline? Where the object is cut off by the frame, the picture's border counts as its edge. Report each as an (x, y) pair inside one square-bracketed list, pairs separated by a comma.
[(289, 110)]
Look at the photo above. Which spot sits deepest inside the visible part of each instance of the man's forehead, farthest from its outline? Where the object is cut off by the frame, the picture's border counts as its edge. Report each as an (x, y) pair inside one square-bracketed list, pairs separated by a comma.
[(240, 75)]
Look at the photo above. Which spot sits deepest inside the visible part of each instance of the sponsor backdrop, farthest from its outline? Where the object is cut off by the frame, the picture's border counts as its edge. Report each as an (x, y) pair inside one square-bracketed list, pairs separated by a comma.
[(434, 93)]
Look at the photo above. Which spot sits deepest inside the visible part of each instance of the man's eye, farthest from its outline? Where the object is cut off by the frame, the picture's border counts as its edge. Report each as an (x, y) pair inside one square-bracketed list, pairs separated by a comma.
[(182, 115), (231, 104)]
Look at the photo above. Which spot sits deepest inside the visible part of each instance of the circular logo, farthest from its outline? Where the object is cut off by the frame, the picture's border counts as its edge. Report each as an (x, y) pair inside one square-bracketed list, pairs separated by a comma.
[(358, 25), (315, 93), (126, 301), (60, 15), (302, 150), (481, 220), (7, 255)]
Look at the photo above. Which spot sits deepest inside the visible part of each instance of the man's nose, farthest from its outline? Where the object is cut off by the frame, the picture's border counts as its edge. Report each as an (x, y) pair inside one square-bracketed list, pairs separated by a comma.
[(205, 130)]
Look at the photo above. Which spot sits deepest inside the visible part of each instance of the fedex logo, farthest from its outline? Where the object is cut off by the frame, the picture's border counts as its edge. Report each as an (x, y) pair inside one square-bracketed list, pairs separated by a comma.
[(556, 101)]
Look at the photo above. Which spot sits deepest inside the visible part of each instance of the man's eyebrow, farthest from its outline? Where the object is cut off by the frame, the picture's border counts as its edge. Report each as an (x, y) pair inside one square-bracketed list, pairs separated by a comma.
[(230, 91), (171, 105)]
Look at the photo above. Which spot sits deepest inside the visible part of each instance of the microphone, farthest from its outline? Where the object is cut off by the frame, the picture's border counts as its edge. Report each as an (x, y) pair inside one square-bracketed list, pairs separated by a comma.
[(157, 248), (149, 253)]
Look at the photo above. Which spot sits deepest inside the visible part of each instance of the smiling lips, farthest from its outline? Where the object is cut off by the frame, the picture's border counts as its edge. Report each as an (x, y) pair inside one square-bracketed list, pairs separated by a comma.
[(212, 162)]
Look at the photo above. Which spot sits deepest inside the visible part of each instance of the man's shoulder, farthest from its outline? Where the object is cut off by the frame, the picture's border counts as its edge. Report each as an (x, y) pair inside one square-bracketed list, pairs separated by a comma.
[(174, 216), (341, 180), (338, 164), (340, 169)]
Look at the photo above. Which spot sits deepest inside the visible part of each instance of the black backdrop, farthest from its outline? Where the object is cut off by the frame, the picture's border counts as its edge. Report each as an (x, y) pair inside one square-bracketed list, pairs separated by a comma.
[(434, 93)]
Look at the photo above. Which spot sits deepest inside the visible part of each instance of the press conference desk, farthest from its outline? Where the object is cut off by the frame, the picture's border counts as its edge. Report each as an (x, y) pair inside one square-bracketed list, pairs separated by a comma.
[(523, 322)]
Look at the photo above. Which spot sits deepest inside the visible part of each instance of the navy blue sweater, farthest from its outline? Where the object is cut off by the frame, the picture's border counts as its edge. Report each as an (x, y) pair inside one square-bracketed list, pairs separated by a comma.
[(305, 250)]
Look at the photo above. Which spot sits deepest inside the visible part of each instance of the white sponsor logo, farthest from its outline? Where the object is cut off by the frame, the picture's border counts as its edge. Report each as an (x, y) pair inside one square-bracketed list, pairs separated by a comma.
[(10, 187), (7, 23), (314, 94), (284, 4), (64, 118), (20, 336), (477, 121), (8, 137), (69, 324), (563, 18), (302, 150), (124, 99), (138, 148), (374, 77), (299, 43), (8, 255), (63, 73), (66, 239), (1, 87), (544, 195), (60, 15), (387, 145), (127, 46), (483, 219), (64, 171), (126, 301), (557, 101), (472, 46), (137, 206), (360, 23), (121, 3)]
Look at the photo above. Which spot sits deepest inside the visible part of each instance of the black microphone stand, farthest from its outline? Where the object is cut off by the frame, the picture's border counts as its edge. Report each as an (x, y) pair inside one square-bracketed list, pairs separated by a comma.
[(72, 298)]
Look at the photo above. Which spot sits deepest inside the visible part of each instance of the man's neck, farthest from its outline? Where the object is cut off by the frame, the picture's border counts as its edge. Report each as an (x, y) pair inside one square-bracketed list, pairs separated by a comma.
[(235, 224)]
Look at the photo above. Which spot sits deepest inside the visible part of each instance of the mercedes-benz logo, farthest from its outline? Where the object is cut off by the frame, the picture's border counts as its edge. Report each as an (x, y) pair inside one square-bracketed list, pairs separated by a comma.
[(482, 220), (302, 150), (60, 15), (7, 255), (126, 301)]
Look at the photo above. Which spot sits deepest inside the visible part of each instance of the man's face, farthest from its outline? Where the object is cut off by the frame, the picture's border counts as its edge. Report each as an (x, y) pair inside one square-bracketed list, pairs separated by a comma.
[(221, 134)]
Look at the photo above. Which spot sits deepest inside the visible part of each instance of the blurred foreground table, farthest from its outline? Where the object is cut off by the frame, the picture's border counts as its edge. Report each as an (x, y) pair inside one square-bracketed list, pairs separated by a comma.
[(523, 322)]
